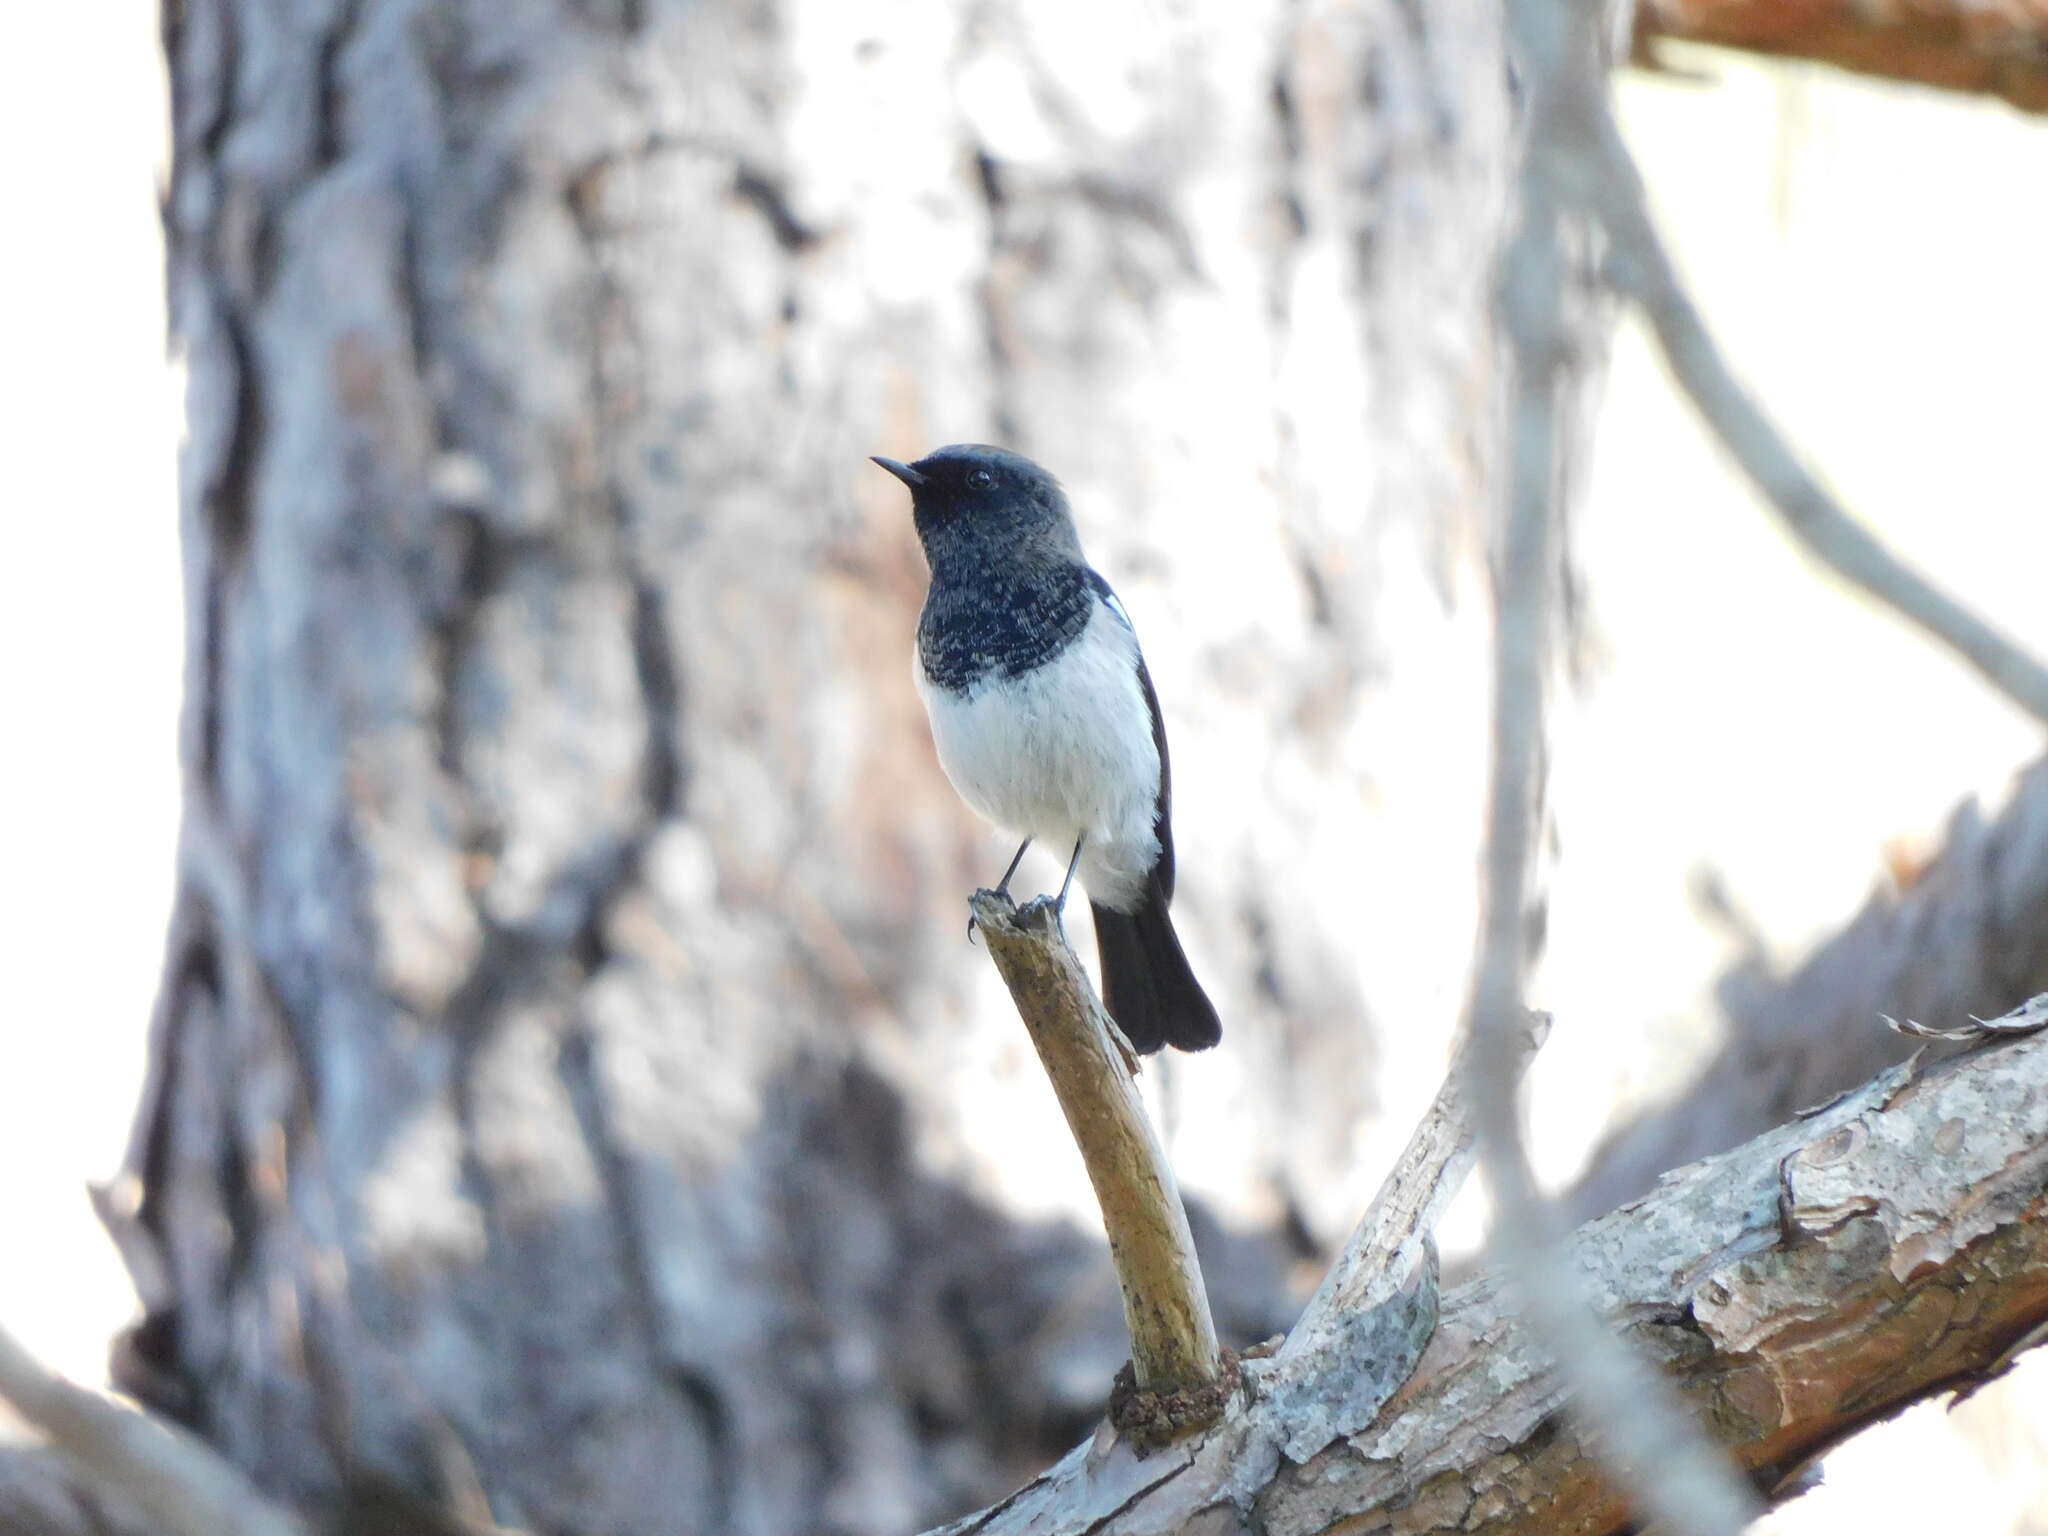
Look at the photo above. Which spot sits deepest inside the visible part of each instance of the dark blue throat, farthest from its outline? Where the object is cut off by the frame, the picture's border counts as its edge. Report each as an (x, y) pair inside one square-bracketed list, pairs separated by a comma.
[(1003, 621)]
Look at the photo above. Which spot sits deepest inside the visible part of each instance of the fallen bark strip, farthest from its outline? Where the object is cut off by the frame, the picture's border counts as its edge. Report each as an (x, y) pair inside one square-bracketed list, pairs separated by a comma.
[(1884, 1248), (1958, 45), (1377, 1307)]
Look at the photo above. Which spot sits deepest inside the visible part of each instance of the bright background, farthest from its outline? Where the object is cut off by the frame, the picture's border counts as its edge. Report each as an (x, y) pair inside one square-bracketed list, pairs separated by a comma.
[(1871, 255), (91, 642)]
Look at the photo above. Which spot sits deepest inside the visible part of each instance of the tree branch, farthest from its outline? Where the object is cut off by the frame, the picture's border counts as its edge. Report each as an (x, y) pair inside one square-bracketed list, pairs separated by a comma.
[(1609, 187), (1886, 1248), (1173, 1336), (184, 1487), (1957, 45), (1641, 268), (1677, 1477)]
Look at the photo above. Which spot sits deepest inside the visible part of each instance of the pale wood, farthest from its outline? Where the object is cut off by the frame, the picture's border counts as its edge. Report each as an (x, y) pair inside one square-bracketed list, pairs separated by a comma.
[(1173, 1336)]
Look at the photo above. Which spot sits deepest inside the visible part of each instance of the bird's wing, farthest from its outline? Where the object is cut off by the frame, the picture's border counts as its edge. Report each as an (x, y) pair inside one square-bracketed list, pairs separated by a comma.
[(1162, 810)]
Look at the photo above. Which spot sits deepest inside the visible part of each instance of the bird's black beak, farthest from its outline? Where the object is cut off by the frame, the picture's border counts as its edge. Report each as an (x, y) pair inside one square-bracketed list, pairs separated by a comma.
[(903, 472)]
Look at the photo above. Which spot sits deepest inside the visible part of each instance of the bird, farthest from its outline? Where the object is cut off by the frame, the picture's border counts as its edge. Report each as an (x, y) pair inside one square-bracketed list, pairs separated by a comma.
[(1046, 720)]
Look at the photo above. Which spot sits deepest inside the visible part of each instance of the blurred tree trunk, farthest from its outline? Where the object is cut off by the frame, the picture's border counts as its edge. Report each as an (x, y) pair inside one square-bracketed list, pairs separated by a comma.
[(568, 1105), (1957, 935)]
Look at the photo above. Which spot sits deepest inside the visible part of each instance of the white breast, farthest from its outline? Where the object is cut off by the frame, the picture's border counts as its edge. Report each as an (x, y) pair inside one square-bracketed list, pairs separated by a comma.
[(1061, 751)]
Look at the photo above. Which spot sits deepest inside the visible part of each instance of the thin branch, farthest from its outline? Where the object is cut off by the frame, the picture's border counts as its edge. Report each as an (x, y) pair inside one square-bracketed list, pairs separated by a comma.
[(1641, 268), (1667, 1463), (183, 1486), (1173, 1336)]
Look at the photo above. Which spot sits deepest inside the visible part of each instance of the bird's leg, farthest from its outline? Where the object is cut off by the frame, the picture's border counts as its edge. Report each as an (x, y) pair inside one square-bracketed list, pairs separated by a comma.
[(1002, 885), (1060, 905)]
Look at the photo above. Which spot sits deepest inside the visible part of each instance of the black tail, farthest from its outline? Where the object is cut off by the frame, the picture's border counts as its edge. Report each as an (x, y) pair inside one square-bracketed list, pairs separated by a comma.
[(1146, 983)]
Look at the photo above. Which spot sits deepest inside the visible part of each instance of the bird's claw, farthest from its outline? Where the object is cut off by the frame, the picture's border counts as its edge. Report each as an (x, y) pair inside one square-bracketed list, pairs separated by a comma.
[(974, 922)]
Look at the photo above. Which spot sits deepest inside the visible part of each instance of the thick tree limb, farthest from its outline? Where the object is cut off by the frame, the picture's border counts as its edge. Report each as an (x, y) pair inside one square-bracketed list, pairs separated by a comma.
[(1959, 45), (1885, 1248), (182, 1485), (1173, 1336)]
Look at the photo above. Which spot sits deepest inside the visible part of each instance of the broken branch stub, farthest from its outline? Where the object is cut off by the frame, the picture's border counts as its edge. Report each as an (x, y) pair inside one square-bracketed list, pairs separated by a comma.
[(1174, 1354)]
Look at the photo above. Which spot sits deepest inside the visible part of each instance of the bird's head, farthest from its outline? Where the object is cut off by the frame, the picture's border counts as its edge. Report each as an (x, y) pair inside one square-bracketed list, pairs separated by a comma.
[(969, 497)]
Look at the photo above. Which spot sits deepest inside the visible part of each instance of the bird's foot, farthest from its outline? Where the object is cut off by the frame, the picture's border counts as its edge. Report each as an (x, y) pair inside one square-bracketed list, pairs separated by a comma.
[(1039, 907), (974, 922)]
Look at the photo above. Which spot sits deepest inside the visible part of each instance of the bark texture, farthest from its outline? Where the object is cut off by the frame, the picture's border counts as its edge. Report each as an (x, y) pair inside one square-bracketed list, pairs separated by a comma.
[(1887, 1247), (567, 1107)]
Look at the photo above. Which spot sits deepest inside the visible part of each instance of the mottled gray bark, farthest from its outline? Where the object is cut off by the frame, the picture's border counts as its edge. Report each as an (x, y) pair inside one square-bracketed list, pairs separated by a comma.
[(554, 1105)]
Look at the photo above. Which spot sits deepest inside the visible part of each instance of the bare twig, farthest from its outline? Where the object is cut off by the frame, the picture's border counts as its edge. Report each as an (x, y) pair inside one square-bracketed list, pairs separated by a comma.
[(1173, 1337), (1640, 267), (1668, 1465), (184, 1487)]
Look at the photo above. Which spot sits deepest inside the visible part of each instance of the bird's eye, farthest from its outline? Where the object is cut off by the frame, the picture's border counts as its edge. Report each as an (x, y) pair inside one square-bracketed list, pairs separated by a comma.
[(981, 479)]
